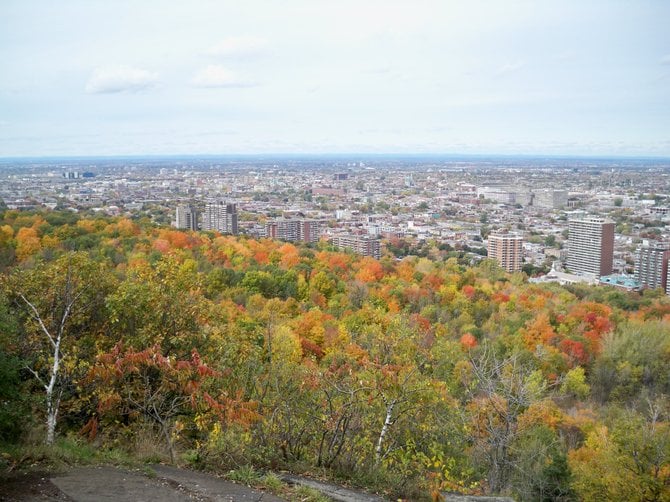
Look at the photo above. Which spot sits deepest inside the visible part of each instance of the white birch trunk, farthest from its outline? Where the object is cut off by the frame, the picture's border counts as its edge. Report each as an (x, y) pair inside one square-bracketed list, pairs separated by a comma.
[(388, 422), (52, 392), (53, 402)]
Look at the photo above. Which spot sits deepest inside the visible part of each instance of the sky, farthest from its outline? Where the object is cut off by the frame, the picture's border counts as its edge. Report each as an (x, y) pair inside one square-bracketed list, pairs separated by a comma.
[(563, 77)]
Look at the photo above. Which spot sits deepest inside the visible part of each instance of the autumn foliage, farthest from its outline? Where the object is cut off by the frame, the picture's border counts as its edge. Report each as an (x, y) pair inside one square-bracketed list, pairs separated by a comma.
[(425, 373)]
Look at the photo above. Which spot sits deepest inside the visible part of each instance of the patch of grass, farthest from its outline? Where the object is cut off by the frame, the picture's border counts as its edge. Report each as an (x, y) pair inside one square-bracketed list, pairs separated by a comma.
[(33, 455), (64, 452), (272, 483), (149, 472), (116, 456), (192, 458), (148, 447), (245, 474), (73, 451), (307, 494)]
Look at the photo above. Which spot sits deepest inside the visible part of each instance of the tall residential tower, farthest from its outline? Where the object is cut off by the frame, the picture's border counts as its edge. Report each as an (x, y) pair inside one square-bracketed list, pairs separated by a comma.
[(590, 246), (506, 249), (651, 264)]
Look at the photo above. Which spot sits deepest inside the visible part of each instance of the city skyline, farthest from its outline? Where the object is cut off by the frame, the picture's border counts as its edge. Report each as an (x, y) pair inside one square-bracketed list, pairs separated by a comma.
[(570, 78)]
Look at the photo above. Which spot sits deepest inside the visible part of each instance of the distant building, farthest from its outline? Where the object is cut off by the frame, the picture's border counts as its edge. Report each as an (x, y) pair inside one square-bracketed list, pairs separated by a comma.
[(501, 194), (221, 217), (590, 246), (507, 250), (361, 244), (293, 230), (309, 230), (550, 199), (651, 264), (186, 217), (625, 282), (563, 278)]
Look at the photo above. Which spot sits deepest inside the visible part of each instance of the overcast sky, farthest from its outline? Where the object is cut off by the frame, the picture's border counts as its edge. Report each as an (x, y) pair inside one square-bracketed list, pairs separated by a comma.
[(116, 77)]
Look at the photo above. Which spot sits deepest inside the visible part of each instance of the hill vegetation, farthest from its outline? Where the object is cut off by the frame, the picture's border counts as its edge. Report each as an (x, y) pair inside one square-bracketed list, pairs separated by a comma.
[(413, 376)]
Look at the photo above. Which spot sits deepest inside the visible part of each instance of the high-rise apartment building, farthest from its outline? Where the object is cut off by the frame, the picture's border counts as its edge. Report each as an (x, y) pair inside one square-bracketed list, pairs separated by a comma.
[(221, 217), (507, 250), (294, 230), (361, 244), (590, 246), (651, 264), (186, 217)]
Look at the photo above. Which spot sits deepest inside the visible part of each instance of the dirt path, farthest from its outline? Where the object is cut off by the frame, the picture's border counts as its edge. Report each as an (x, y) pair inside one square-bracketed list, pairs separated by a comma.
[(111, 484), (157, 483)]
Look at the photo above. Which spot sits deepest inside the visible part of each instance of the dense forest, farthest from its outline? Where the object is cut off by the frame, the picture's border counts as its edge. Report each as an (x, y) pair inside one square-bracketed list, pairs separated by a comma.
[(411, 376)]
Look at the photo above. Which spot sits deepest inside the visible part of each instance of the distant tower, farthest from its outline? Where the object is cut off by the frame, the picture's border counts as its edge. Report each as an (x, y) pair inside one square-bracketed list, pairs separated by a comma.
[(186, 217), (591, 246), (506, 249), (221, 217), (651, 264)]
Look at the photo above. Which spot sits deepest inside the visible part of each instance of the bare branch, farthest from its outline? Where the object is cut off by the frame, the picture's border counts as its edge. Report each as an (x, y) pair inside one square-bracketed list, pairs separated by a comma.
[(36, 316), (37, 376)]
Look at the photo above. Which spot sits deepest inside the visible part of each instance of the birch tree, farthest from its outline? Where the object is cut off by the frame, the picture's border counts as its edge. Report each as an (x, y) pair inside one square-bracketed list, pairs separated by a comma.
[(56, 301)]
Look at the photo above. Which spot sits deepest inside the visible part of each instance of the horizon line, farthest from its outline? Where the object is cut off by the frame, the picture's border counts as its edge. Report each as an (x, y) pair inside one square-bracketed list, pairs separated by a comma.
[(337, 154)]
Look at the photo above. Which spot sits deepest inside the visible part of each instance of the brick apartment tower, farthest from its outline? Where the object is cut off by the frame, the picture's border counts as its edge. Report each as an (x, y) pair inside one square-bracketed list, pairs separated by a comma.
[(651, 264), (507, 250), (590, 246)]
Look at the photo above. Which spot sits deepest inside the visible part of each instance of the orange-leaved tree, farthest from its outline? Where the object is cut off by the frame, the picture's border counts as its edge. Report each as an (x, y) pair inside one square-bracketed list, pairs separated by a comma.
[(135, 385)]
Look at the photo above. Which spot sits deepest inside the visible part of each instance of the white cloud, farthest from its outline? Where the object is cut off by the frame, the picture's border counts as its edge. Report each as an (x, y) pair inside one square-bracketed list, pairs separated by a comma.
[(239, 47), (665, 59), (113, 79), (218, 76)]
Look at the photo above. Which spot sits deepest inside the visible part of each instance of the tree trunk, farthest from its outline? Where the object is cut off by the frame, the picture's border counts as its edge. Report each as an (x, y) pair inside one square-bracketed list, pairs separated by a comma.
[(52, 415), (53, 401), (168, 441), (382, 434)]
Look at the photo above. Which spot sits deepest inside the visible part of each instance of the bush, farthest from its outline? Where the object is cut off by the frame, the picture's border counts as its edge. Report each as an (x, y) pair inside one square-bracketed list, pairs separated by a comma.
[(13, 403)]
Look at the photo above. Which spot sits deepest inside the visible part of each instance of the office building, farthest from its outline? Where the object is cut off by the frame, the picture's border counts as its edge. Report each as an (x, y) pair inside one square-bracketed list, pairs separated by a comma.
[(361, 244), (651, 264), (590, 246), (506, 249), (186, 217), (221, 217)]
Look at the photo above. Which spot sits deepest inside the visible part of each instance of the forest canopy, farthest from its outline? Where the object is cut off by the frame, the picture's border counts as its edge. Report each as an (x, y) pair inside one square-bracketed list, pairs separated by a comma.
[(417, 375)]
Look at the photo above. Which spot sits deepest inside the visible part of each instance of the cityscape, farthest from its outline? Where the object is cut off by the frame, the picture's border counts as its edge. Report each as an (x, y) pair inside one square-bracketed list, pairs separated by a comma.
[(351, 251), (607, 224)]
